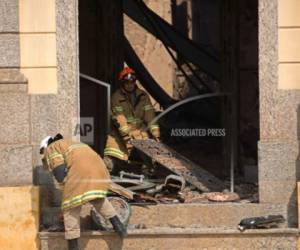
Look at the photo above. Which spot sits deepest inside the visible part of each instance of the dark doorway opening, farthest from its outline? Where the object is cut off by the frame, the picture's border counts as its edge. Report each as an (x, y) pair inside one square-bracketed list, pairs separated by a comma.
[(101, 57), (230, 28)]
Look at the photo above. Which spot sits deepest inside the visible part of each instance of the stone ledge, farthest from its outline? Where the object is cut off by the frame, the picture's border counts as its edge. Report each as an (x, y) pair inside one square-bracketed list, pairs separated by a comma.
[(184, 215), (202, 215), (183, 231), (179, 239), (12, 76)]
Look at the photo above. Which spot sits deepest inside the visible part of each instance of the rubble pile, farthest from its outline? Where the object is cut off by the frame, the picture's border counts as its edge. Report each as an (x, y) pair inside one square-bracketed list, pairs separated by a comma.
[(185, 182)]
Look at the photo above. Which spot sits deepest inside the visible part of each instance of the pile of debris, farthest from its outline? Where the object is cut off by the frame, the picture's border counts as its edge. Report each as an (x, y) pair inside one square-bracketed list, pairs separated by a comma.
[(185, 182)]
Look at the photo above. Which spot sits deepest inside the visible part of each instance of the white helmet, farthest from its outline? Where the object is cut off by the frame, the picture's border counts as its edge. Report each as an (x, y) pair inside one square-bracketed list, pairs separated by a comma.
[(44, 143)]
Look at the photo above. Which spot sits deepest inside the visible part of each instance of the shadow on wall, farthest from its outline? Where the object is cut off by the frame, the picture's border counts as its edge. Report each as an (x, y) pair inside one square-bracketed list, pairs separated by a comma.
[(293, 202), (51, 192)]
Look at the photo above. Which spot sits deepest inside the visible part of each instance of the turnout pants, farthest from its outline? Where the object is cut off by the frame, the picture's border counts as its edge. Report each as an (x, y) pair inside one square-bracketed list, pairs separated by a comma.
[(72, 217)]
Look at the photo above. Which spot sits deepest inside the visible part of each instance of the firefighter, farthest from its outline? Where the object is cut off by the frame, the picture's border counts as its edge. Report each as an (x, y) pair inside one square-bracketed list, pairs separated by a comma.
[(132, 113), (84, 178)]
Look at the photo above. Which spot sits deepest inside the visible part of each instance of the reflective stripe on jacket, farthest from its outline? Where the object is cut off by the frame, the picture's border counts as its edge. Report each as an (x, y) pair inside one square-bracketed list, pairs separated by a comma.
[(87, 176), (131, 120)]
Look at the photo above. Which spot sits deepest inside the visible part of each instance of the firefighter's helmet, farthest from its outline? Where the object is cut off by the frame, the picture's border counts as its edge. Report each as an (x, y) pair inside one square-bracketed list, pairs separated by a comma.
[(44, 143), (127, 74)]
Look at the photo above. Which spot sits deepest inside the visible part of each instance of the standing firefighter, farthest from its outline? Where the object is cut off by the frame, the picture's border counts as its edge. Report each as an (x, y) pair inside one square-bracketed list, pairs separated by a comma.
[(84, 178), (132, 113)]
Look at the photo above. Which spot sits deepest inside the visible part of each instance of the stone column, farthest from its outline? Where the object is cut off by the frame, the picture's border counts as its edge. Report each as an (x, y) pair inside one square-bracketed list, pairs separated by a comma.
[(9, 37), (279, 118), (15, 148), (45, 99)]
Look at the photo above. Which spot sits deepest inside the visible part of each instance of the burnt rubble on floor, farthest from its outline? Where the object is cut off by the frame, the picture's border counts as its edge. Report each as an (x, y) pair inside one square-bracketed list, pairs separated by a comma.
[(178, 180), (163, 193)]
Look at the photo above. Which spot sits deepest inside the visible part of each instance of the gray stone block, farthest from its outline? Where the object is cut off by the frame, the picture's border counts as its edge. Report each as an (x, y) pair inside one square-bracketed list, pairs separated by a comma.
[(278, 174), (281, 192), (278, 108), (277, 161), (43, 116), (15, 165), (277, 192), (67, 65), (9, 16), (9, 50), (15, 118)]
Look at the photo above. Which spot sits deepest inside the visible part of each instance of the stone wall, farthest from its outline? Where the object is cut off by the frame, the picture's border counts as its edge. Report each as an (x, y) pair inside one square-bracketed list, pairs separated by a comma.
[(279, 120), (150, 50), (9, 39), (27, 118)]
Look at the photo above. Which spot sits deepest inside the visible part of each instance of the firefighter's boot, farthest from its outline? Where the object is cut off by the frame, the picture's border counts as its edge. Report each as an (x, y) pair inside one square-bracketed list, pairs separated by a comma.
[(118, 226), (73, 244)]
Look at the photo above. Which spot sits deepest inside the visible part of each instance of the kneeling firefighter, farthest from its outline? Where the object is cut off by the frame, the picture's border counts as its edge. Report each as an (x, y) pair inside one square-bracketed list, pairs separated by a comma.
[(84, 178), (132, 113)]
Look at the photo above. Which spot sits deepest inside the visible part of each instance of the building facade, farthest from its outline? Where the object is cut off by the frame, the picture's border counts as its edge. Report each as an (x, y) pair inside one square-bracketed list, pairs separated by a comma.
[(40, 92)]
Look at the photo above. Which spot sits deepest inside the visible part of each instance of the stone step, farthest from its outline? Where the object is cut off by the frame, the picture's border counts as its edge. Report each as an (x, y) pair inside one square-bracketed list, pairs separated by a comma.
[(179, 239), (185, 215), (202, 215)]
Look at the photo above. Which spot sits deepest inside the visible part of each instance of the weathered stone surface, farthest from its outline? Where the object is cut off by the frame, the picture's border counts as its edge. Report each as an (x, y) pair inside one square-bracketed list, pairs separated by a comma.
[(278, 108), (43, 121), (201, 215), (9, 15), (68, 65), (210, 215), (43, 116), (279, 171), (15, 120), (277, 192), (13, 88), (179, 239), (281, 192), (277, 161), (15, 165), (9, 50), (12, 76)]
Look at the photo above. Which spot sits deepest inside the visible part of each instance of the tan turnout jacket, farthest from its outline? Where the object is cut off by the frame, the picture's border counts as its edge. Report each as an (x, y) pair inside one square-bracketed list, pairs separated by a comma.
[(131, 120), (87, 178)]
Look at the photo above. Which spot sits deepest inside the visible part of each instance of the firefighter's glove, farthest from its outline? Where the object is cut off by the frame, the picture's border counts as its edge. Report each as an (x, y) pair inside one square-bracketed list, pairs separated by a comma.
[(155, 134), (127, 139), (60, 173)]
